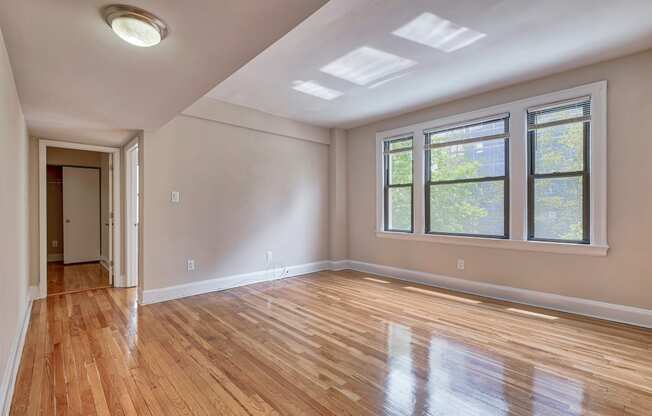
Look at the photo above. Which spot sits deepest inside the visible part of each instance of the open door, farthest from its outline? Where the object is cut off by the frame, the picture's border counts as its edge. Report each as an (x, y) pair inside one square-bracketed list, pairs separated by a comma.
[(81, 215), (132, 200)]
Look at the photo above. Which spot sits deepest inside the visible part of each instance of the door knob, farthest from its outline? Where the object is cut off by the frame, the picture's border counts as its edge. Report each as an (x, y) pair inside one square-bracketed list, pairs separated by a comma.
[(67, 221)]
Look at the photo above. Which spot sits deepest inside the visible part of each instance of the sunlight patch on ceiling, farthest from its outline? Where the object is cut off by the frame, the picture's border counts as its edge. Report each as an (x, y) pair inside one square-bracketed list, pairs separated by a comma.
[(316, 90), (385, 81), (433, 31), (365, 65)]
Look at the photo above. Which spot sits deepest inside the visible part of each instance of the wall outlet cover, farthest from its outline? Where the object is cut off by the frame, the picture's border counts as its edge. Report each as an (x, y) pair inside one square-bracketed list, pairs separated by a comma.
[(460, 264)]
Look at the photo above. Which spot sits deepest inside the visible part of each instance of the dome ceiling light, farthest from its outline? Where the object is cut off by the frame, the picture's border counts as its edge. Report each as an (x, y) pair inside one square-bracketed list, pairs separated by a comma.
[(135, 26)]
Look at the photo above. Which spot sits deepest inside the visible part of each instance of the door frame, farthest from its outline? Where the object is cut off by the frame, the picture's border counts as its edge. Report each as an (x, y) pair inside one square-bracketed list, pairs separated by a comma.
[(114, 237), (131, 241)]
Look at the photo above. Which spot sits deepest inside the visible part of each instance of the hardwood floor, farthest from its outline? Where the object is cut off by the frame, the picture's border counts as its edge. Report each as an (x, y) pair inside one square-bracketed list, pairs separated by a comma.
[(332, 343), (76, 277)]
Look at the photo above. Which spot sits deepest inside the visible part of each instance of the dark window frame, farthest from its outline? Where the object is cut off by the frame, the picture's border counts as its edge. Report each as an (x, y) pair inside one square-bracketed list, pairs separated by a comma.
[(505, 178), (585, 174), (387, 185)]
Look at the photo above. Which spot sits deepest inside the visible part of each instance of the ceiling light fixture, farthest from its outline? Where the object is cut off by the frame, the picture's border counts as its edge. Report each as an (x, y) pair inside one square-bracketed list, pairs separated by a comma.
[(135, 26)]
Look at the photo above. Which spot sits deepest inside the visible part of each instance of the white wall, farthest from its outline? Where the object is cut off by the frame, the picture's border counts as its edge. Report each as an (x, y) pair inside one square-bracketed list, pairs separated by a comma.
[(243, 192), (624, 277), (14, 267)]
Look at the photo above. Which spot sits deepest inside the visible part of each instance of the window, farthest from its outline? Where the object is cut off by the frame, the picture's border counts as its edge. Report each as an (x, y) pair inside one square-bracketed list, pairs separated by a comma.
[(467, 185), (559, 174), (525, 175), (398, 192)]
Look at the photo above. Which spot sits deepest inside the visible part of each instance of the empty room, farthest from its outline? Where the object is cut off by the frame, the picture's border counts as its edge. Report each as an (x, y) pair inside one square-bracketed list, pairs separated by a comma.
[(314, 207)]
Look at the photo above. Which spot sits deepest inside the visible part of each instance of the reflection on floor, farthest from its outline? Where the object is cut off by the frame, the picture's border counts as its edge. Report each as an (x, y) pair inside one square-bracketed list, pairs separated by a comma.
[(76, 277), (331, 343)]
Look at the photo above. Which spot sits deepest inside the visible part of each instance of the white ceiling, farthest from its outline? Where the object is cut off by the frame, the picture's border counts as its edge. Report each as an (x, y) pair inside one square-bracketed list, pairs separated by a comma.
[(522, 40), (77, 80)]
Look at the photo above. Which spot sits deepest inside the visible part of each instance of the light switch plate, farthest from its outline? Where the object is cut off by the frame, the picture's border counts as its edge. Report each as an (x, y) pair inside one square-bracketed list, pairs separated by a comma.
[(175, 197)]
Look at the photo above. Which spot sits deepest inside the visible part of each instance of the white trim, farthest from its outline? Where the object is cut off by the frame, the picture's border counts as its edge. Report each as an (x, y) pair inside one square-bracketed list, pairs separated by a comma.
[(337, 265), (15, 354), (105, 263), (596, 309), (55, 257), (77, 146), (229, 282), (116, 250), (521, 245), (518, 172), (591, 308)]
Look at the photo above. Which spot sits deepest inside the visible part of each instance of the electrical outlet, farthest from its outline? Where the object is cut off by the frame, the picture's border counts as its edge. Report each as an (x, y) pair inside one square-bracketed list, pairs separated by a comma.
[(55, 243), (269, 257), (191, 265), (175, 197), (460, 264)]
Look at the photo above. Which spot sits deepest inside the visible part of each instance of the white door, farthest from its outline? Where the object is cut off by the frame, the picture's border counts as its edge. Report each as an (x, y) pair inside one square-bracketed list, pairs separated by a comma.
[(81, 215), (132, 217)]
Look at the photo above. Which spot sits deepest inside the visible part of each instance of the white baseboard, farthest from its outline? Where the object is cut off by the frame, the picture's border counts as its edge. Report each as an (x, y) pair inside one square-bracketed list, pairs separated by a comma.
[(16, 353), (340, 265), (595, 309), (55, 257), (105, 263), (228, 282)]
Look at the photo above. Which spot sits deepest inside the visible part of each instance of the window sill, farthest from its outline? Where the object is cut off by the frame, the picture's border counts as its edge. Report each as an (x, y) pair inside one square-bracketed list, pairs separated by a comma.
[(540, 246)]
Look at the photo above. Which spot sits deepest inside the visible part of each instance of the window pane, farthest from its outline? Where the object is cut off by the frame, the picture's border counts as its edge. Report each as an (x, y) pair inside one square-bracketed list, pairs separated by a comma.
[(468, 208), (400, 144), (400, 168), (399, 209), (470, 132), (559, 148), (466, 161), (558, 208)]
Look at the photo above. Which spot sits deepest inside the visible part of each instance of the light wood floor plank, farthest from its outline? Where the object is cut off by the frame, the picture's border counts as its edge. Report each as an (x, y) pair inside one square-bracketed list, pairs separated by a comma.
[(331, 343)]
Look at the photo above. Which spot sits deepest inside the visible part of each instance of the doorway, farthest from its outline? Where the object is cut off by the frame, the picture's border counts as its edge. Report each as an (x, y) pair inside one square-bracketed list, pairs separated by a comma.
[(79, 213), (78, 199)]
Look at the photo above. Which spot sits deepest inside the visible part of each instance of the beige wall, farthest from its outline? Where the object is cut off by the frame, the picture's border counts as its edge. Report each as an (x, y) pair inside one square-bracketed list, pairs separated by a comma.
[(226, 113), (623, 277), (243, 192), (14, 244), (338, 235), (72, 157)]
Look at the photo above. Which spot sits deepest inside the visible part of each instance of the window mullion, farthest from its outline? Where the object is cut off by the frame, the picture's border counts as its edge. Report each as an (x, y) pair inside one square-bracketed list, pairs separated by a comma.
[(418, 179)]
